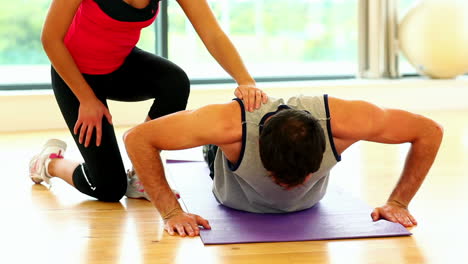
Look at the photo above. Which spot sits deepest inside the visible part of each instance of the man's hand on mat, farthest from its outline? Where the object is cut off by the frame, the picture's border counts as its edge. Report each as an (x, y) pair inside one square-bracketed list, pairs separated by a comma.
[(394, 212), (90, 117), (185, 224), (251, 95)]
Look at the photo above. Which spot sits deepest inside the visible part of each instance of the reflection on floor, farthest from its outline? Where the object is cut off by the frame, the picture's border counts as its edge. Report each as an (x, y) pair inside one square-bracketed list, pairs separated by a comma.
[(60, 225)]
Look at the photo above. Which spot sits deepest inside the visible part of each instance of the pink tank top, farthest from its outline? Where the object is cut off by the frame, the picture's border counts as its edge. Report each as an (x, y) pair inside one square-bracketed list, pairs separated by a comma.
[(98, 43)]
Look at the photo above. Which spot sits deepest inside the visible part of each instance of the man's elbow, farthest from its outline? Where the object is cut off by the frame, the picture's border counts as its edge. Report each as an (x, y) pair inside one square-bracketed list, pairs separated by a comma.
[(125, 136), (439, 131), (435, 132), (133, 139)]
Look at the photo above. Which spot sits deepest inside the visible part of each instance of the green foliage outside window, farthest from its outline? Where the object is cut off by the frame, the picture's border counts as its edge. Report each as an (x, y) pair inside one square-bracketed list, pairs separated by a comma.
[(311, 25), (20, 30)]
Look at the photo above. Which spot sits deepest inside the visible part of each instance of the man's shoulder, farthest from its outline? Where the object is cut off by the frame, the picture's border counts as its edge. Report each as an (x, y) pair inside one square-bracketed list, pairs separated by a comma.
[(230, 113)]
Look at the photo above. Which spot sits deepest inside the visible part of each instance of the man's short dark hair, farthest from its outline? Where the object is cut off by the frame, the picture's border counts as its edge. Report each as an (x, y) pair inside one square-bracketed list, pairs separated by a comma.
[(292, 144)]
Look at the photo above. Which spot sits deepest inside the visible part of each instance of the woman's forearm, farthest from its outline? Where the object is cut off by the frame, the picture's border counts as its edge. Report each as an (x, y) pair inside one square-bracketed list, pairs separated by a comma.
[(224, 52), (63, 63)]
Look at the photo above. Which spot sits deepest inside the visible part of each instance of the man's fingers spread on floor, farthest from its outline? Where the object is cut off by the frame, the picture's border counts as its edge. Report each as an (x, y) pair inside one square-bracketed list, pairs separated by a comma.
[(392, 218), (203, 222), (170, 230), (195, 229), (375, 215), (408, 221), (189, 229), (413, 220), (180, 230)]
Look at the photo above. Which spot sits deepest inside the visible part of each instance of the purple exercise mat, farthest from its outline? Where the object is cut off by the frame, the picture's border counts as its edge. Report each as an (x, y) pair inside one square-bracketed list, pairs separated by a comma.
[(337, 216)]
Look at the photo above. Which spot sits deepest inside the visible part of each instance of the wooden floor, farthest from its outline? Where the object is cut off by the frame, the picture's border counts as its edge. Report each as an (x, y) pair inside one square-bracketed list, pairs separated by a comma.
[(60, 225)]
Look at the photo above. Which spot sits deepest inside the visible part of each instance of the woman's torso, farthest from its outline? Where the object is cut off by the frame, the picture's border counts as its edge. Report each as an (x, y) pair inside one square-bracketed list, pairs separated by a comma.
[(104, 32)]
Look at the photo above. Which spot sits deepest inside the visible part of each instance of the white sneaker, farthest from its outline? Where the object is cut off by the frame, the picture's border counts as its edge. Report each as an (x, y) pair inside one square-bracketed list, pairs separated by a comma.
[(38, 166), (135, 187)]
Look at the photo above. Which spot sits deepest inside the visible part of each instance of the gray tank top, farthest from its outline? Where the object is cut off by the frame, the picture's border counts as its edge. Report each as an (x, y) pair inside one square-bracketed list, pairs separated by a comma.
[(246, 185)]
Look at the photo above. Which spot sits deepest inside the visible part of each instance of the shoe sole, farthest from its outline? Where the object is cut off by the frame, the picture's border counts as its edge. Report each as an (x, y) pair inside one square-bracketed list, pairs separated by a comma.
[(36, 178)]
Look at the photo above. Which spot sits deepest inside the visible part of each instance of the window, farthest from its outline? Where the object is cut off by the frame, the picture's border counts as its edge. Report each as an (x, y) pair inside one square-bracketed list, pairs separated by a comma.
[(405, 67), (22, 59), (20, 46), (274, 38)]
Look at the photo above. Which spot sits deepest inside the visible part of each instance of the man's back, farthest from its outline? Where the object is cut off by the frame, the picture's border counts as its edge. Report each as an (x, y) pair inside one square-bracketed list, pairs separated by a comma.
[(220, 124), (245, 185)]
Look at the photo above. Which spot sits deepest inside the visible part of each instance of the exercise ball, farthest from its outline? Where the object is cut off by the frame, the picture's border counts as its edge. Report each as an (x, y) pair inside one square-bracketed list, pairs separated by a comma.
[(433, 36)]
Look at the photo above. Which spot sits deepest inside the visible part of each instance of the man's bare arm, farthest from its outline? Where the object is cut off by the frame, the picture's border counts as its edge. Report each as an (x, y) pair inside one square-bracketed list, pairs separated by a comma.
[(358, 120), (214, 124)]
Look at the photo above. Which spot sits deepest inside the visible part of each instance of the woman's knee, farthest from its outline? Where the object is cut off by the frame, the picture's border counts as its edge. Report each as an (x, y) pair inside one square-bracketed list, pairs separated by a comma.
[(111, 192), (106, 183), (181, 83)]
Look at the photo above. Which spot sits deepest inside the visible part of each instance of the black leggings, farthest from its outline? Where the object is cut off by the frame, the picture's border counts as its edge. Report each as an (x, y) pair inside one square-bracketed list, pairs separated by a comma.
[(142, 76), (209, 154)]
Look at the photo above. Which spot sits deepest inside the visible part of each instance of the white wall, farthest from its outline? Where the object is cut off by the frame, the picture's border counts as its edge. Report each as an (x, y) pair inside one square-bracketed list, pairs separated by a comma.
[(37, 110)]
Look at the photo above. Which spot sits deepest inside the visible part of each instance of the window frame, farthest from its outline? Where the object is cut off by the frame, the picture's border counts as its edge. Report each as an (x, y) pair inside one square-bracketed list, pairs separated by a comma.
[(162, 49)]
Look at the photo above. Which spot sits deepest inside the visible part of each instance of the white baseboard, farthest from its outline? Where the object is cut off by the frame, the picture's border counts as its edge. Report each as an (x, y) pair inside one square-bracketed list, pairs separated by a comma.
[(38, 110)]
